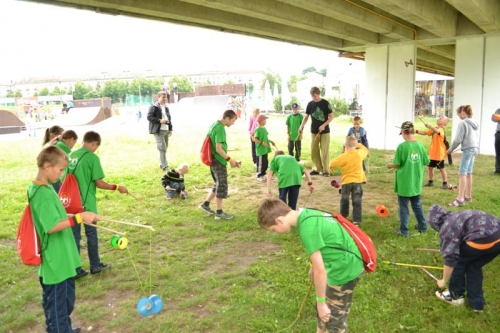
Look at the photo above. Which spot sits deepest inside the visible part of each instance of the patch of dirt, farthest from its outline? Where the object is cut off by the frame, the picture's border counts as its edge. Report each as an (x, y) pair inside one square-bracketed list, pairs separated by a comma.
[(238, 257)]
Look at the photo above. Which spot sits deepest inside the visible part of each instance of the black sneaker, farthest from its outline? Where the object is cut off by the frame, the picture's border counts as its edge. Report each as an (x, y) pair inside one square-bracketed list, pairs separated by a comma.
[(76, 330), (81, 273), (326, 174), (206, 209), (400, 233), (429, 184), (314, 173), (421, 231), (100, 268)]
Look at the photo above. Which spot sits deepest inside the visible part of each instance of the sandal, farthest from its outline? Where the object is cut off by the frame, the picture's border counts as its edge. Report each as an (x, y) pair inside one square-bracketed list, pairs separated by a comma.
[(452, 187), (456, 203), (468, 199)]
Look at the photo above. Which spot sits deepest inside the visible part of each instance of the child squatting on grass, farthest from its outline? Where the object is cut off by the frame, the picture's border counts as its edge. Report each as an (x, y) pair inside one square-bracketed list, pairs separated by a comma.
[(336, 264), (351, 164), (289, 173), (60, 257), (173, 182), (470, 239)]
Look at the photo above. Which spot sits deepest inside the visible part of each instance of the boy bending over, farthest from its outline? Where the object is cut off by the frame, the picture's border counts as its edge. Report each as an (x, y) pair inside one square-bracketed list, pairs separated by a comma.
[(336, 260)]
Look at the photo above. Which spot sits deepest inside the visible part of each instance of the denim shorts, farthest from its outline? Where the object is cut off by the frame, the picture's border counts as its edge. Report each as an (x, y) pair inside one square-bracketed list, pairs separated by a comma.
[(467, 161)]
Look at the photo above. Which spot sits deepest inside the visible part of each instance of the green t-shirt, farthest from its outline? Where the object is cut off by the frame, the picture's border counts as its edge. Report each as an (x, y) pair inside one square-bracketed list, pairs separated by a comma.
[(321, 231), (88, 170), (411, 157), (293, 122), (64, 147), (60, 257), (261, 134), (288, 170), (217, 134)]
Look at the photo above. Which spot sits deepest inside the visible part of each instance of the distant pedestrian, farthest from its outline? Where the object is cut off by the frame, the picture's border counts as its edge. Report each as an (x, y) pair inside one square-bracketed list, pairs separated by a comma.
[(160, 125), (176, 93)]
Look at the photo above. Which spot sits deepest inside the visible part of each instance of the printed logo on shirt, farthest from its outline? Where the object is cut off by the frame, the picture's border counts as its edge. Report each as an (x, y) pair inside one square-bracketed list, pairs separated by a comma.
[(318, 114), (414, 157), (73, 162)]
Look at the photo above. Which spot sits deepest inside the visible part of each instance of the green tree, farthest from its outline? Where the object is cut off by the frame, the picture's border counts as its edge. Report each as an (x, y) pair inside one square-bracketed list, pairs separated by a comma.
[(322, 72), (57, 91), (44, 92), (273, 79), (92, 94), (250, 88), (309, 70), (18, 93), (205, 83), (115, 89), (81, 90), (228, 83), (339, 106), (183, 84), (277, 103)]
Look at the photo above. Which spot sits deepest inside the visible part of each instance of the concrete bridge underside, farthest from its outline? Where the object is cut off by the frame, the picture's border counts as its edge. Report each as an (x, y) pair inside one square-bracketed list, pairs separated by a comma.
[(349, 26)]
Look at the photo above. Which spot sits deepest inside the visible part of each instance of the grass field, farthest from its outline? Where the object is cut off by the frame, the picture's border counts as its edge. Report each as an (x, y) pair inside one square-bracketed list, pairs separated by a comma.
[(232, 276)]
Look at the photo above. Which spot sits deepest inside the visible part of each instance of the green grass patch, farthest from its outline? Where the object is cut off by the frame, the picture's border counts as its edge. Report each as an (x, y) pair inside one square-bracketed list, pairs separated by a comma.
[(232, 276)]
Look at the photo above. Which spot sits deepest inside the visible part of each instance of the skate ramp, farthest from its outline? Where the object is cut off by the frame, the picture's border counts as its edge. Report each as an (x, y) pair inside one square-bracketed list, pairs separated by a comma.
[(7, 118), (83, 116)]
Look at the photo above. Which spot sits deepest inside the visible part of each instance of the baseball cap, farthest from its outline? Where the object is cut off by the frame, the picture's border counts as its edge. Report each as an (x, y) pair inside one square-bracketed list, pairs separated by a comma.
[(261, 117), (406, 126), (295, 105)]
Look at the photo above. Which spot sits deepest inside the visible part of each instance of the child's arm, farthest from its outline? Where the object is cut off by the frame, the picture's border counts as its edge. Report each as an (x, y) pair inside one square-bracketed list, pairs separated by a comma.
[(269, 176), (86, 217), (99, 183), (309, 180), (318, 275), (392, 166), (362, 151), (221, 152)]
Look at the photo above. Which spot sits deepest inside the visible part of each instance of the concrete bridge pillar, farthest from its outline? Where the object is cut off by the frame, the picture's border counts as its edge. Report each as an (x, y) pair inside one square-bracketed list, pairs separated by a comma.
[(477, 83), (390, 85)]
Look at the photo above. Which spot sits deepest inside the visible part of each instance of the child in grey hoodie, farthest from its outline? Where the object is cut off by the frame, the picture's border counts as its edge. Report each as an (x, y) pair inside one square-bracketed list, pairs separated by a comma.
[(468, 137)]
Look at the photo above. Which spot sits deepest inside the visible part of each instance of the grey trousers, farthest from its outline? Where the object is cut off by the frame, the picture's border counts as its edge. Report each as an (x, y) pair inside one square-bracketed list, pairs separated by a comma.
[(355, 191), (161, 139)]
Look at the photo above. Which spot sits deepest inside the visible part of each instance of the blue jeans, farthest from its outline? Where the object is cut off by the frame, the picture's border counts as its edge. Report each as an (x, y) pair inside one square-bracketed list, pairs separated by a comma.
[(58, 301), (293, 195), (467, 161), (92, 243), (468, 274), (404, 214), (176, 187)]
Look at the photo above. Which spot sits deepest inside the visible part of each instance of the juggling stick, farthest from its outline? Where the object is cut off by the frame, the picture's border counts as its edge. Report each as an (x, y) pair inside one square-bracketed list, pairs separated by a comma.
[(107, 229), (429, 273), (128, 223), (301, 307), (410, 265), (133, 196), (323, 328), (421, 120), (317, 136), (430, 250)]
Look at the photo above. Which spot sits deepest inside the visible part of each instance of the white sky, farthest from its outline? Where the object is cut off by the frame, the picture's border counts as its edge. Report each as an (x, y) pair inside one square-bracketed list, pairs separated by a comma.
[(42, 40)]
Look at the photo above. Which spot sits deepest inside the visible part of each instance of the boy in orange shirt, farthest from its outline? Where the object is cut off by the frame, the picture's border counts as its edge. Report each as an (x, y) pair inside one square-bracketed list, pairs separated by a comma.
[(437, 150), (351, 165)]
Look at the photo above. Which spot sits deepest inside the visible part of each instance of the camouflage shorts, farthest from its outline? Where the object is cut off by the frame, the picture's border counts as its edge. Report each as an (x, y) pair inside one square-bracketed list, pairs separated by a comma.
[(339, 299)]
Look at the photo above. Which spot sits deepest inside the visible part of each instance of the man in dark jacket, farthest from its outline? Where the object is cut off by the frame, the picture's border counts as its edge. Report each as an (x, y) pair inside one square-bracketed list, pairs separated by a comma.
[(160, 125), (470, 239)]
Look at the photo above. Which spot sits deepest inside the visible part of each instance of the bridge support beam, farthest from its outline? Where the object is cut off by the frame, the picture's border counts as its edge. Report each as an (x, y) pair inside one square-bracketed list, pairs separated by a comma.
[(477, 78), (390, 85)]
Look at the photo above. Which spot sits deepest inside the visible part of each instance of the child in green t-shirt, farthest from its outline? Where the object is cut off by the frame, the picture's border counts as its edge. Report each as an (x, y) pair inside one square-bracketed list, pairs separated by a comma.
[(409, 161), (86, 166), (59, 255), (293, 123), (289, 173), (262, 147), (336, 261)]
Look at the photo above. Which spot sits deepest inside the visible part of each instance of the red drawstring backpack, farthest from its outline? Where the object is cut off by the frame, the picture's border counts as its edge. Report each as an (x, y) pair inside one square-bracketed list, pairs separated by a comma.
[(27, 240), (69, 193), (206, 151)]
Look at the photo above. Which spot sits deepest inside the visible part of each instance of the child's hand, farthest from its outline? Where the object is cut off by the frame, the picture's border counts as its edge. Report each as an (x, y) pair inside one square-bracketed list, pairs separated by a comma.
[(122, 189), (441, 284), (168, 188), (89, 217)]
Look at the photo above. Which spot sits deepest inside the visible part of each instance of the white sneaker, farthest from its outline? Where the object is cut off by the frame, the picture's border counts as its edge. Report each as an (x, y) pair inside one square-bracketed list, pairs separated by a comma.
[(261, 179), (446, 296)]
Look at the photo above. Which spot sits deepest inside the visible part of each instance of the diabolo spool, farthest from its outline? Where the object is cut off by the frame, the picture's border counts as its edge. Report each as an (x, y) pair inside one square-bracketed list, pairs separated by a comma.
[(122, 243), (335, 183), (149, 305), (114, 240), (381, 210)]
